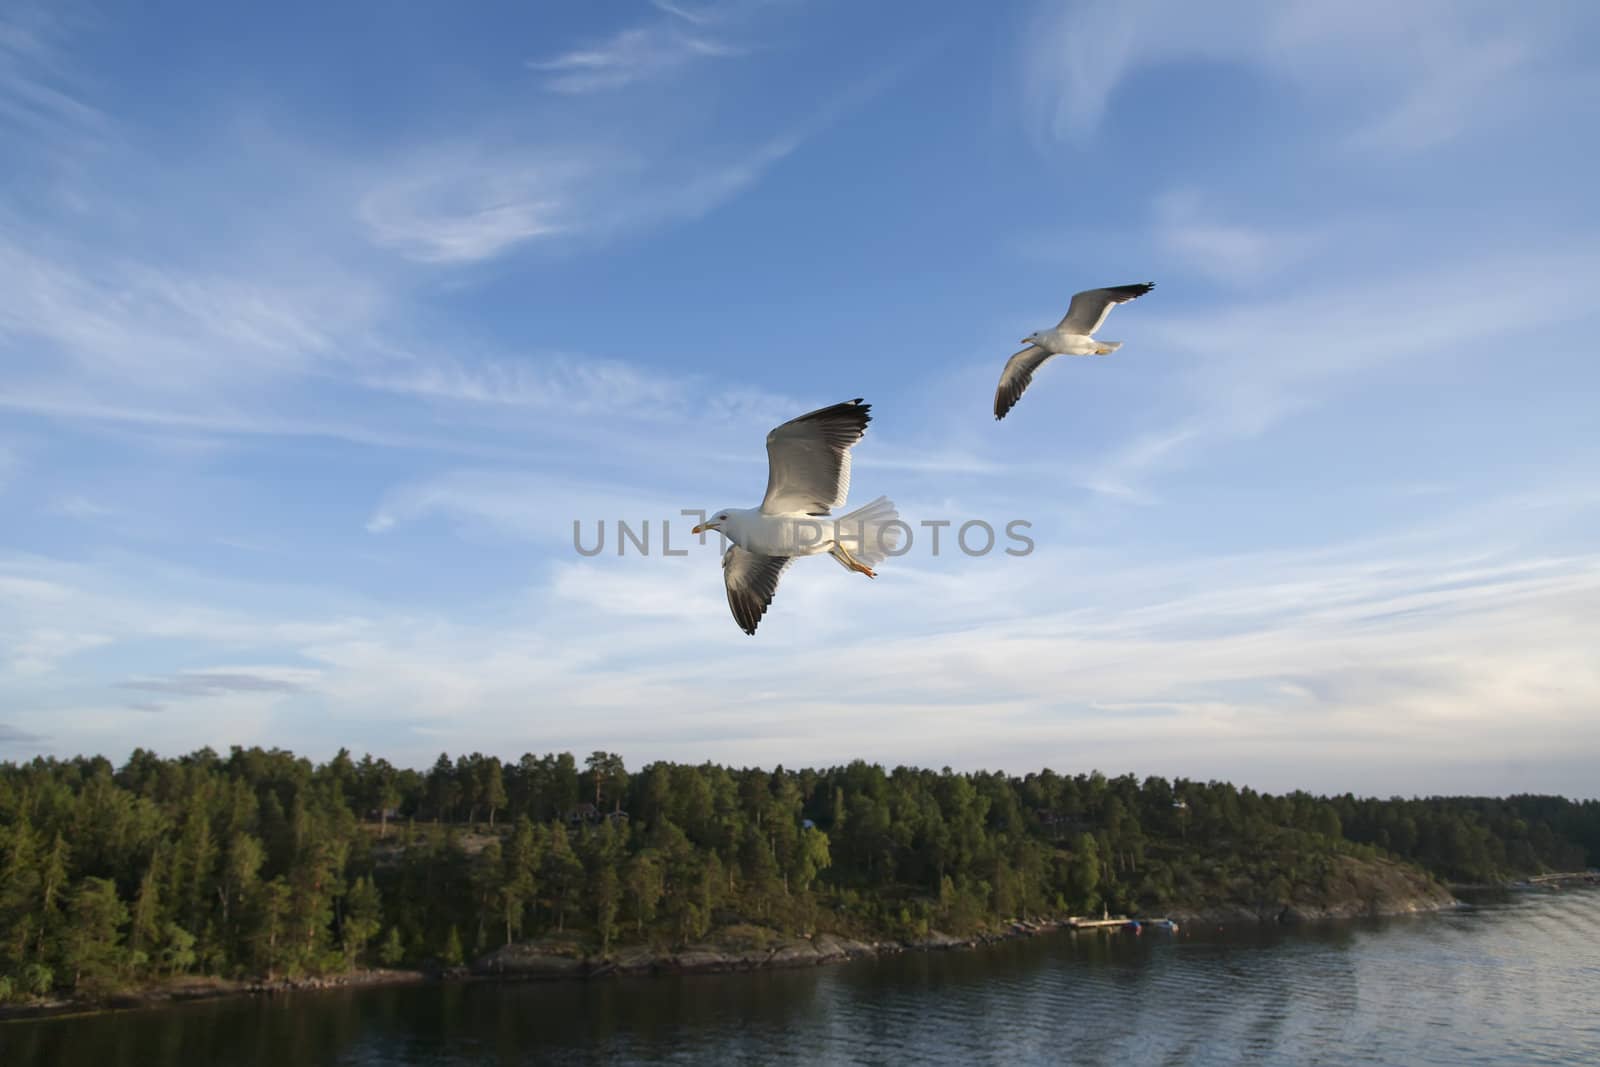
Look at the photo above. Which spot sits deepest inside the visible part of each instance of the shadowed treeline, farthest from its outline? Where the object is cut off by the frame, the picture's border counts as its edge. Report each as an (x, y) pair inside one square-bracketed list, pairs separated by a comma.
[(263, 864)]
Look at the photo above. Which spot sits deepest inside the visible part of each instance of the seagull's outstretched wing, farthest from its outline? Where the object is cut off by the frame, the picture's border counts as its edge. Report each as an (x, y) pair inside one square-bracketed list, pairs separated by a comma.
[(751, 582), (1015, 378), (1089, 308), (808, 459)]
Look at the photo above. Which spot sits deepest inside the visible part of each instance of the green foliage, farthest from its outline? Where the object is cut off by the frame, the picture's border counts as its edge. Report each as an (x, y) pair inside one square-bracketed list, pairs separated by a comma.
[(363, 917), (451, 954), (261, 863), (392, 951), (91, 941), (177, 949)]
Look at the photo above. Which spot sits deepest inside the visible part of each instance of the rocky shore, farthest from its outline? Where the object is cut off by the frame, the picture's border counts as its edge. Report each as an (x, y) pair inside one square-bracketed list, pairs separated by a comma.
[(180, 990), (1357, 890), (748, 948), (736, 949)]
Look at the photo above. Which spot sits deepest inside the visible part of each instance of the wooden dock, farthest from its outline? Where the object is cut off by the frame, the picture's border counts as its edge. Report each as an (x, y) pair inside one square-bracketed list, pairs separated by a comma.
[(1564, 878), (1120, 922)]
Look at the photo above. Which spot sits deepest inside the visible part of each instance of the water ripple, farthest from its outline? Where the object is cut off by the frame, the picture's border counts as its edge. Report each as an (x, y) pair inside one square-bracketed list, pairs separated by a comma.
[(1508, 982)]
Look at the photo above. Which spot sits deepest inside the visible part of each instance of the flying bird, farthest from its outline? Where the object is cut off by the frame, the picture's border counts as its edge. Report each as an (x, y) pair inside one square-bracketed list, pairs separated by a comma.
[(1072, 336), (808, 475)]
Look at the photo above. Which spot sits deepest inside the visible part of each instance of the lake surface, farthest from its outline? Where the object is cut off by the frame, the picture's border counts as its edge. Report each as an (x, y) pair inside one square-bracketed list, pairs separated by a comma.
[(1514, 980)]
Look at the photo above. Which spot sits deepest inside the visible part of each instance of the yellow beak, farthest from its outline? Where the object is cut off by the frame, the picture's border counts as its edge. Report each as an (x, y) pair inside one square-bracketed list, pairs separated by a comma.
[(703, 527)]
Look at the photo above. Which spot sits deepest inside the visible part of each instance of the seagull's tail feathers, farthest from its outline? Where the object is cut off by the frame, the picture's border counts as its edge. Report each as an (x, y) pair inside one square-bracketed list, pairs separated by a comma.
[(871, 532), (1105, 348)]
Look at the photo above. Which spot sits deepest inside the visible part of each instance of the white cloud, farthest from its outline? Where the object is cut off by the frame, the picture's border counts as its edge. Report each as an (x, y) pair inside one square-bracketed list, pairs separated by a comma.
[(517, 503), (125, 324), (40, 650), (1238, 383), (225, 679), (1411, 75), (527, 505), (636, 54), (473, 204), (462, 206), (78, 506), (41, 97), (576, 385), (1190, 234), (1286, 669), (479, 199), (686, 35)]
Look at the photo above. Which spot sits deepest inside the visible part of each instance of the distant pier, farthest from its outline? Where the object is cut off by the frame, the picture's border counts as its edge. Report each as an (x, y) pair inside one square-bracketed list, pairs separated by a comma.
[(1121, 922)]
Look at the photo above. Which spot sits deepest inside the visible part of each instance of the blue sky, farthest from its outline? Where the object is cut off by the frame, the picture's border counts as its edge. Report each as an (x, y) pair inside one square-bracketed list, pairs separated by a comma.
[(320, 329)]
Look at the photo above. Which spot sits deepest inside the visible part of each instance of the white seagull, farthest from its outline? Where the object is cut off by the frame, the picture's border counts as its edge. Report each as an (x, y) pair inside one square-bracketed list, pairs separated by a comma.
[(808, 461), (1071, 337)]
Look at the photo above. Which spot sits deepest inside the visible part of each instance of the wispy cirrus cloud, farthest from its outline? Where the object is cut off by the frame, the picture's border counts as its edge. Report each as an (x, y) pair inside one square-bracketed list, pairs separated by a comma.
[(1238, 384), (43, 97), (39, 649), (1258, 665), (213, 682), (577, 385), (477, 200), (12, 737), (476, 203), (636, 54), (1410, 77), (119, 320), (1195, 237), (78, 506), (683, 36), (470, 204)]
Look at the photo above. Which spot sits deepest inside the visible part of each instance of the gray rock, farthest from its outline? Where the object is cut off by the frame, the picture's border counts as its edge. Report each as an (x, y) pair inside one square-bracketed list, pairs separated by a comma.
[(528, 961), (794, 954)]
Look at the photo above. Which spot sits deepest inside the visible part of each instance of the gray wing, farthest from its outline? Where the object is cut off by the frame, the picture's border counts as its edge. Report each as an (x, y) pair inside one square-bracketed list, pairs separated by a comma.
[(1015, 378), (808, 459), (1089, 309), (751, 582)]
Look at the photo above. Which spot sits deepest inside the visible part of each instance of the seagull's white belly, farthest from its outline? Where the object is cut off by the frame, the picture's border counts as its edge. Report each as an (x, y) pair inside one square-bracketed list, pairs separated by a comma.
[(789, 535), (1069, 344)]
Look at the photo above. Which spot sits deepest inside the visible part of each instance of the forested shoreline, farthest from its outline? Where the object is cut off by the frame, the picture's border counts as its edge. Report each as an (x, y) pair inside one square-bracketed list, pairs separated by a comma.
[(260, 864)]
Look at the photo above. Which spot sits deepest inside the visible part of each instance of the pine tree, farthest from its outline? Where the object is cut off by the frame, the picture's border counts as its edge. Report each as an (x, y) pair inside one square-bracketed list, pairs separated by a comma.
[(177, 950), (392, 951), (363, 918), (271, 927), (643, 879), (52, 884), (518, 883), (562, 874), (494, 788), (607, 895), (144, 931), (91, 942), (452, 955)]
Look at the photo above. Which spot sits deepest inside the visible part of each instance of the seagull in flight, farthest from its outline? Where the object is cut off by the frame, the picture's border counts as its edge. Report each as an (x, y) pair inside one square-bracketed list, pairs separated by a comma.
[(1072, 336), (808, 461)]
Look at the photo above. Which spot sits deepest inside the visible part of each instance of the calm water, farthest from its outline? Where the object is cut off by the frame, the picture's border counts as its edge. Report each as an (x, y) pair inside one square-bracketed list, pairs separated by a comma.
[(1513, 981)]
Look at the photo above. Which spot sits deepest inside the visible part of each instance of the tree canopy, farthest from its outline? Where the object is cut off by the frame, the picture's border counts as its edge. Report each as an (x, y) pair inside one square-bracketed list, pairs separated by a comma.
[(261, 863)]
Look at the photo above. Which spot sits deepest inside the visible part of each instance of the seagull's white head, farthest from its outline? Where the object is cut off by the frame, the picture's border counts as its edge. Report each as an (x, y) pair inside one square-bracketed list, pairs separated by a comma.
[(1034, 338), (725, 522)]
